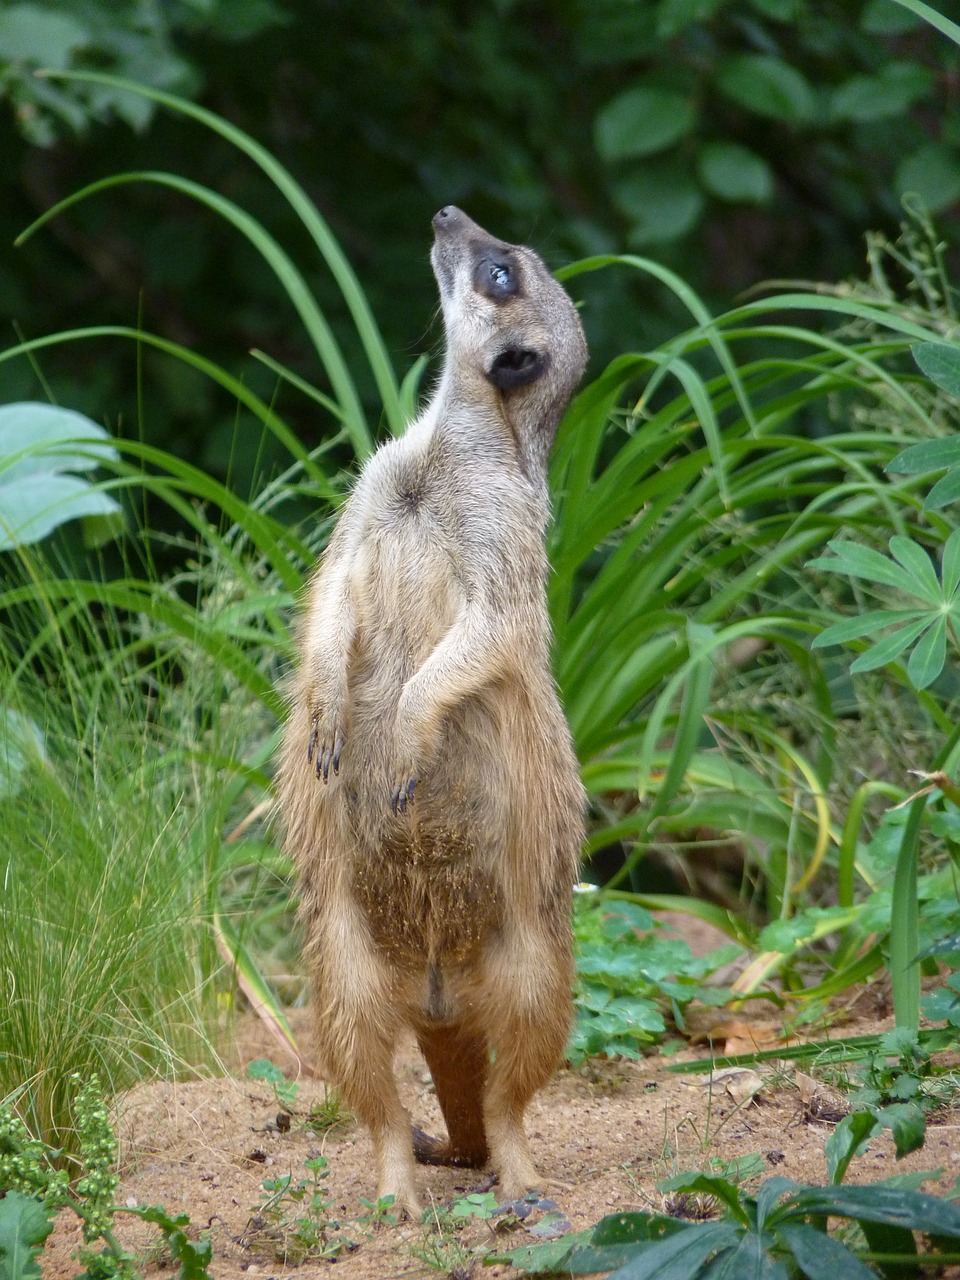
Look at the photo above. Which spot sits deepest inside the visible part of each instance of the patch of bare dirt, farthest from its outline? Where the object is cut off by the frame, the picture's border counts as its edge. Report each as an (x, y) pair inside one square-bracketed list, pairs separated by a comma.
[(601, 1136)]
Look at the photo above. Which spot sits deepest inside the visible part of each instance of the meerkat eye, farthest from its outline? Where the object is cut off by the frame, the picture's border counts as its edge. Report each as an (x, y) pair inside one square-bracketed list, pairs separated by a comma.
[(496, 278)]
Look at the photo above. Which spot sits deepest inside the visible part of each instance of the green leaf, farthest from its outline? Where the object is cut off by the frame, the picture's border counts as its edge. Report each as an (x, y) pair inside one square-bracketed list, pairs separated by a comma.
[(820, 1257), (679, 1255), (768, 87), (945, 491), (641, 121), (926, 661), (662, 201), (886, 18), (733, 172), (864, 624), (863, 562), (849, 1139), (910, 1209), (932, 173), (38, 443), (884, 96), (917, 563), (929, 455), (906, 1123), (24, 1225), (889, 648), (950, 565), (941, 363), (39, 36), (673, 16)]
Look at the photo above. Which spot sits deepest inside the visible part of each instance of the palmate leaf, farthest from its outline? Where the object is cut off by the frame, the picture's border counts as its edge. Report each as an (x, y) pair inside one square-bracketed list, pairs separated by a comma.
[(912, 572)]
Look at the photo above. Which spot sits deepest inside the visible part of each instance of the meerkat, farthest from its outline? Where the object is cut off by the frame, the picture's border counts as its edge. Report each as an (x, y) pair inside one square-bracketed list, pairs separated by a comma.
[(428, 784)]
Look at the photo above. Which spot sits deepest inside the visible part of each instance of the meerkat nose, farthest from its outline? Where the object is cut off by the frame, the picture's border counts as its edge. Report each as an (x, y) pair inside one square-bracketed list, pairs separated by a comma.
[(448, 218)]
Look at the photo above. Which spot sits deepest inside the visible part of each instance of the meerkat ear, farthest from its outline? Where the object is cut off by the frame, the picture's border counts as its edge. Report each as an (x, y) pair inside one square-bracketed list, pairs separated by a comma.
[(516, 367)]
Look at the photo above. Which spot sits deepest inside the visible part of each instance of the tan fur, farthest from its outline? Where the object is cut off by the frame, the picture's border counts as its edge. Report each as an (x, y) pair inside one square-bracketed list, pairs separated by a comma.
[(428, 785)]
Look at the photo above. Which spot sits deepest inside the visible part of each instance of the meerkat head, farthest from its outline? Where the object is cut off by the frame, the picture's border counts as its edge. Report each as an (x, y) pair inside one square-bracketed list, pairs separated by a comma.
[(513, 336)]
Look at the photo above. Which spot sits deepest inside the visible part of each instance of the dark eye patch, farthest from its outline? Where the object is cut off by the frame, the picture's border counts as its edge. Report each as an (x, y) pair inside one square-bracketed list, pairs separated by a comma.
[(496, 277)]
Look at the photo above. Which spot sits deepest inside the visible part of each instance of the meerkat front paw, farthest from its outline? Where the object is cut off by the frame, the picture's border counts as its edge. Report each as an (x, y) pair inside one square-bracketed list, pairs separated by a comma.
[(325, 745), (401, 792)]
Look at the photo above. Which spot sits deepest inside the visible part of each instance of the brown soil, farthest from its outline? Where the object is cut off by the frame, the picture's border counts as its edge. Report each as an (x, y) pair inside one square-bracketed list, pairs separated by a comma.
[(603, 1136)]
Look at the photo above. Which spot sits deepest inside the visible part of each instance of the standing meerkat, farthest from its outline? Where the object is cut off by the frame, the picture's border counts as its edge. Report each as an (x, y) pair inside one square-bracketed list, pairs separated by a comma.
[(428, 784)]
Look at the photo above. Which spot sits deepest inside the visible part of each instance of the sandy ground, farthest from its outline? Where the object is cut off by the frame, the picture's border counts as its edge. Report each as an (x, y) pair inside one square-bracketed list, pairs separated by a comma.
[(602, 1136)]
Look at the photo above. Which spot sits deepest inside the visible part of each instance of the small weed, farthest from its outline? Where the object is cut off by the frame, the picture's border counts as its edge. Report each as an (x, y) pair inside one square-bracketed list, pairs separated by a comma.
[(322, 1116), (33, 1188), (284, 1091), (294, 1217)]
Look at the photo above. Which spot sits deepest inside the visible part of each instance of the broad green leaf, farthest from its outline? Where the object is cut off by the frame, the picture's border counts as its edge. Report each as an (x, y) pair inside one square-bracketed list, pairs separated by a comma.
[(910, 1209), (906, 1123), (641, 121), (820, 1257), (888, 94), (769, 87), (849, 1139), (945, 491), (32, 508), (29, 33), (674, 16), (752, 1259), (778, 10), (679, 1255), (932, 172), (929, 455), (38, 443), (24, 1225), (733, 172), (887, 18), (863, 562), (889, 648), (926, 661), (662, 201), (42, 438), (918, 565), (940, 361)]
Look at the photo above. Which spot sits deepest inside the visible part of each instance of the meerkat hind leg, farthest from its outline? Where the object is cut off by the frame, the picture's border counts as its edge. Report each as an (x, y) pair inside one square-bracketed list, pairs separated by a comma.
[(458, 1062)]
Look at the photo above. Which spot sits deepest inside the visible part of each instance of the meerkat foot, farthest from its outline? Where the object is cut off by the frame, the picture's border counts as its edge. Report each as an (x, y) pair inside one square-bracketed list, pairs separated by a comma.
[(431, 1150)]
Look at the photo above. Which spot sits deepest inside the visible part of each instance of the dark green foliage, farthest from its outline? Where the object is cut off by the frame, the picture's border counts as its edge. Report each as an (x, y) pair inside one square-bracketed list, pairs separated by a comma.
[(736, 139), (778, 1233)]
